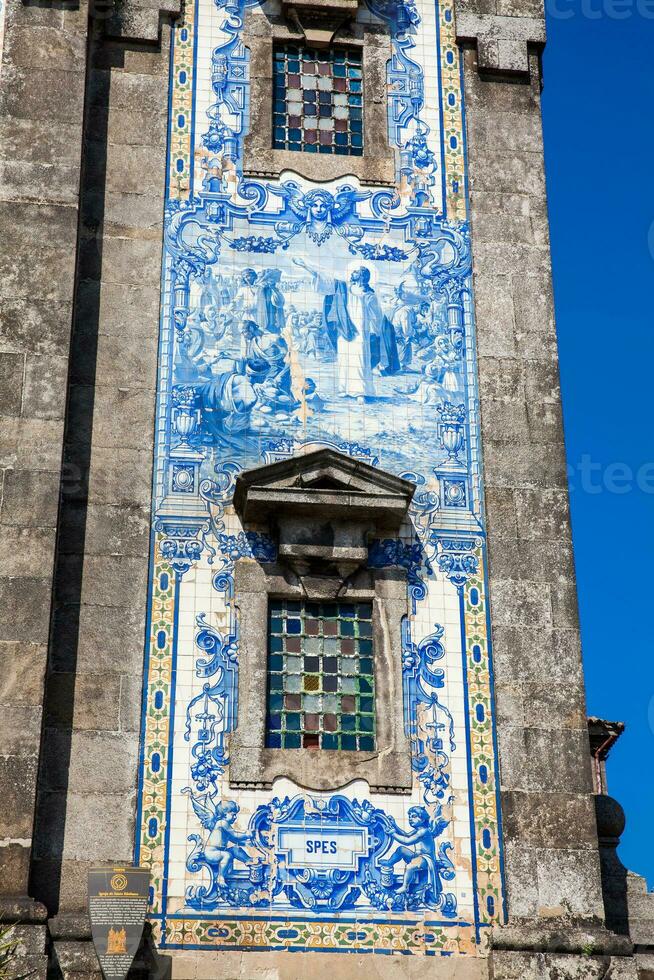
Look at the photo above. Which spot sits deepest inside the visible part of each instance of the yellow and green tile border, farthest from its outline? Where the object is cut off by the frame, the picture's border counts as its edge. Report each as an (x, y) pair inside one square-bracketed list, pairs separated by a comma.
[(482, 749)]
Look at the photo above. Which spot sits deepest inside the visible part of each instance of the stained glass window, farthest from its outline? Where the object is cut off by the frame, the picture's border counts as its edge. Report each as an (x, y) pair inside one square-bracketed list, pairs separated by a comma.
[(318, 100), (321, 686)]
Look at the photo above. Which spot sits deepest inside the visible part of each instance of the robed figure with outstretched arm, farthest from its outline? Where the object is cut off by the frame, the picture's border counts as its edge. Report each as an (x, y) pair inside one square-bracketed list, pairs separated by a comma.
[(359, 331)]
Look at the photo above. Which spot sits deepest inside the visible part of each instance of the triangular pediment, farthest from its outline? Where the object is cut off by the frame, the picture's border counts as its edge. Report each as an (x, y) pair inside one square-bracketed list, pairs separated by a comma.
[(324, 479)]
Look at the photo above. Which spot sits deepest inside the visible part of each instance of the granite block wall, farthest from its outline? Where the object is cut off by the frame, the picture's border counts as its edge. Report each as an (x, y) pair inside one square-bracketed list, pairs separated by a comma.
[(86, 805), (551, 853), (41, 100)]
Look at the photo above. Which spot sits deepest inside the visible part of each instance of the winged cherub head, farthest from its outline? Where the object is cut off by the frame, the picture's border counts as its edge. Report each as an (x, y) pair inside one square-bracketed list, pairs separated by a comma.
[(319, 204)]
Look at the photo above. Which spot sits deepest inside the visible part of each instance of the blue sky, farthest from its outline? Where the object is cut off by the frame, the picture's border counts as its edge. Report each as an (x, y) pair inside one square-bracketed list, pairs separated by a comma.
[(599, 146)]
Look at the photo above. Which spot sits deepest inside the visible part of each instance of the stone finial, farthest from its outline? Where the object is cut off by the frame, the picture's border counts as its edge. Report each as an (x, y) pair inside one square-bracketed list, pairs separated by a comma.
[(502, 42)]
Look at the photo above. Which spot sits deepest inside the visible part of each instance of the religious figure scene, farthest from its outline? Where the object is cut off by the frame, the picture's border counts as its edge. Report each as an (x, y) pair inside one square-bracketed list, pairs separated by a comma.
[(307, 347)]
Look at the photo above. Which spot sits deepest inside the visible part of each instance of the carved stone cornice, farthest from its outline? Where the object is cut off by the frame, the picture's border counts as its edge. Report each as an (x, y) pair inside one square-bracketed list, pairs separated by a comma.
[(139, 20), (504, 43), (323, 506)]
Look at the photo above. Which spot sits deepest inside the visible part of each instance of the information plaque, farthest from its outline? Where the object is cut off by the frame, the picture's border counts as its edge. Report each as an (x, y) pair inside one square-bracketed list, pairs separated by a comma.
[(118, 903)]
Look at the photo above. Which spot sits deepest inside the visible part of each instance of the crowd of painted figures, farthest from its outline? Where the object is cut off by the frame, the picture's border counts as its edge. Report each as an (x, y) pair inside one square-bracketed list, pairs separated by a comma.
[(259, 346)]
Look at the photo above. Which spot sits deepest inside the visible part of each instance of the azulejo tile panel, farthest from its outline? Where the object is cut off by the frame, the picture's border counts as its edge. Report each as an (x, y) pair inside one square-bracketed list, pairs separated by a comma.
[(296, 316)]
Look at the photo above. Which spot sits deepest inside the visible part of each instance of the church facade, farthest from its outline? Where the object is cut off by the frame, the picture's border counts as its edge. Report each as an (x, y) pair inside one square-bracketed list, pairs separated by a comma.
[(289, 612)]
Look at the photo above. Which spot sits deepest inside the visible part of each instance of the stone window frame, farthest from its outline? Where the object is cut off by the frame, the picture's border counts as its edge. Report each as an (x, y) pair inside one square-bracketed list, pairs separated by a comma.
[(321, 507), (387, 769), (376, 166)]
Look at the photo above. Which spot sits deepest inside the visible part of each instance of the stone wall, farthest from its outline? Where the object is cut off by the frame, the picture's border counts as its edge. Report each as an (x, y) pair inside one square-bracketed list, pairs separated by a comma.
[(41, 103), (549, 824), (86, 804), (89, 552), (93, 687)]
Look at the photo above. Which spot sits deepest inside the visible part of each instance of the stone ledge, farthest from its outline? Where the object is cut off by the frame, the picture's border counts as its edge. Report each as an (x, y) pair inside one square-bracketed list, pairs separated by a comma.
[(129, 20), (139, 20), (560, 936), (71, 926), (512, 965), (502, 42), (21, 909), (284, 964), (77, 960)]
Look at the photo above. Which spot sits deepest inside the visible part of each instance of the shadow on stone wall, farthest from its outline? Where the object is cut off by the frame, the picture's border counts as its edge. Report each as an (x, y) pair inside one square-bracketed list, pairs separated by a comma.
[(610, 825), (59, 702)]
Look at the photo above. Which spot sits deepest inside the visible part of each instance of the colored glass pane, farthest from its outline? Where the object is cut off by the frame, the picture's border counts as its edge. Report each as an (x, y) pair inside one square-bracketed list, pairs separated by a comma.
[(318, 88), (320, 676)]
